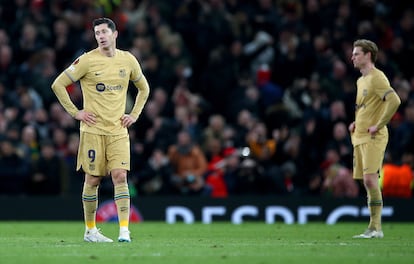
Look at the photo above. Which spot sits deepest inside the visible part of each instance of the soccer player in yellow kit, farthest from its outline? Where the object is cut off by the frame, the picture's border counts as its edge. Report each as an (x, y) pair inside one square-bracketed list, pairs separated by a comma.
[(376, 103), (104, 149)]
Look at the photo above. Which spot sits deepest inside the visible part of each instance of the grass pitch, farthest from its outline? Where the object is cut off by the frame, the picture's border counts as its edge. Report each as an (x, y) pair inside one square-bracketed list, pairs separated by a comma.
[(156, 242)]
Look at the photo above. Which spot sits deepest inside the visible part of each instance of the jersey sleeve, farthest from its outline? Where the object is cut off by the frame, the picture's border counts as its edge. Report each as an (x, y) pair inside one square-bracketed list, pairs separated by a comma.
[(382, 86), (136, 71), (78, 68), (141, 83), (72, 74), (389, 97)]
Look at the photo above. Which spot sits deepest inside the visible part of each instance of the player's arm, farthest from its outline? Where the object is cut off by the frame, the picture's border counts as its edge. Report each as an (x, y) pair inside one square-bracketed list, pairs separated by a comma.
[(142, 96), (74, 72), (392, 101), (141, 83), (59, 88), (143, 92)]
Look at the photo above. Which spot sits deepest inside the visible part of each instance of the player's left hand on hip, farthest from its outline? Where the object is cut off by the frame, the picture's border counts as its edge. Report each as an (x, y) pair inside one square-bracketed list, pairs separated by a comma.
[(127, 120)]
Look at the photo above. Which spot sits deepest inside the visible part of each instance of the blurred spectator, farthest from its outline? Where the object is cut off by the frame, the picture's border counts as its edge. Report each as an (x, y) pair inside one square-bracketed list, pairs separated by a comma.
[(216, 154), (155, 176), (213, 130), (186, 119), (189, 166), (243, 175), (75, 178), (28, 43), (43, 74), (341, 141), (8, 69), (49, 173), (14, 171), (29, 146), (262, 146), (246, 96), (160, 96), (261, 50), (40, 122), (404, 135), (331, 83), (245, 122), (60, 141), (306, 149), (62, 44), (337, 179), (398, 180)]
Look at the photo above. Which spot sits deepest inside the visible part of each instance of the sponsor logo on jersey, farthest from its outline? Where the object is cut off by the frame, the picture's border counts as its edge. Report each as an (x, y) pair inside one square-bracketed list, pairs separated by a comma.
[(114, 87), (100, 87)]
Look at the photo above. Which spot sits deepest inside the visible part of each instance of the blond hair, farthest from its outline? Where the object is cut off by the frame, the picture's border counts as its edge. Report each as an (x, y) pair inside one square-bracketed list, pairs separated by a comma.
[(367, 46)]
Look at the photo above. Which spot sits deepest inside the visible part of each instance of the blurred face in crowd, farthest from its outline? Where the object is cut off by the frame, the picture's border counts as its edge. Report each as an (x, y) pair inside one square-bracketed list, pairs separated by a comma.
[(7, 148)]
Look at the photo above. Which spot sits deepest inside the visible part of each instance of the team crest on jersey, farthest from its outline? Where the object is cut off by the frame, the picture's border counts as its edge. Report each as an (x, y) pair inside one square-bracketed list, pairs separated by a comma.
[(122, 73), (365, 92)]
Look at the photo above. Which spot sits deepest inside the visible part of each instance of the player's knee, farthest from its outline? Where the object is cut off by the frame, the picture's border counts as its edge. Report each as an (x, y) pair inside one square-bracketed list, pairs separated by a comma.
[(370, 181), (92, 180), (119, 176)]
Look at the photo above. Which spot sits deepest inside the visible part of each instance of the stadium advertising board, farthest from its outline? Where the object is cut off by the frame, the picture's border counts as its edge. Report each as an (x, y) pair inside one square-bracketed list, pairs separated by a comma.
[(237, 210)]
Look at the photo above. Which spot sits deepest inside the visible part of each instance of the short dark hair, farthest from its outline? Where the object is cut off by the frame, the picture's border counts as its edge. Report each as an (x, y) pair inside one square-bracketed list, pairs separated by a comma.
[(367, 46), (104, 20)]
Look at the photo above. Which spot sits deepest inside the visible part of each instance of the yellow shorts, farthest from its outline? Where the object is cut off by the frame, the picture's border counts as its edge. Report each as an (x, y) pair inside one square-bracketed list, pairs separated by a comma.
[(368, 158), (98, 155)]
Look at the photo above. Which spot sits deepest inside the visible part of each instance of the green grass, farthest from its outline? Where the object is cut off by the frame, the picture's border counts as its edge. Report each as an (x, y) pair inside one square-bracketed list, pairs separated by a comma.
[(156, 242)]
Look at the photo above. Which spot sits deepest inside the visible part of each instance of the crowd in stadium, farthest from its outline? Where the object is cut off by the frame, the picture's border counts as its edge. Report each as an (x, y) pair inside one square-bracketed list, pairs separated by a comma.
[(259, 93)]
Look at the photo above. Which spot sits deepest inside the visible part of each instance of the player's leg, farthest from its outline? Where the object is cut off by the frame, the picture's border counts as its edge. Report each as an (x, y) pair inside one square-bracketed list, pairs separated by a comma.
[(90, 205), (372, 155), (374, 200), (123, 202), (92, 164), (371, 182), (118, 156), (90, 200)]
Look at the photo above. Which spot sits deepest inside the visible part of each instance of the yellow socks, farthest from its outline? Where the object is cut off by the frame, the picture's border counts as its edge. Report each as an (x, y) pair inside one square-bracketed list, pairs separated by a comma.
[(122, 201), (375, 208), (90, 204)]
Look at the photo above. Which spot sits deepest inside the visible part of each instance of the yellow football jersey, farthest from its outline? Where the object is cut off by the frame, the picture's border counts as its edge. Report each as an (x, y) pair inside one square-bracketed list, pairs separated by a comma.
[(104, 82), (369, 107)]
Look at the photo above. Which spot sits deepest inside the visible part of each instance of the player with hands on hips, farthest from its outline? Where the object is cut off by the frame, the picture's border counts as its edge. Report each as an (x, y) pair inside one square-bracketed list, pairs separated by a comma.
[(104, 74)]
